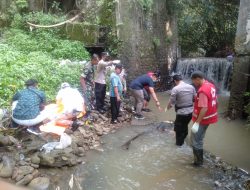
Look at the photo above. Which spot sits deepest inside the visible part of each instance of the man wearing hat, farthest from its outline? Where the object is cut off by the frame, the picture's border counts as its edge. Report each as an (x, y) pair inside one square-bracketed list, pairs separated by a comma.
[(28, 105), (182, 97), (100, 81), (116, 89), (136, 88)]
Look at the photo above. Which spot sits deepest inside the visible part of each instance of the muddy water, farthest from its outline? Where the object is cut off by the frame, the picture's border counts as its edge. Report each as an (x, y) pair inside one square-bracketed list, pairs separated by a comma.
[(152, 162), (228, 139)]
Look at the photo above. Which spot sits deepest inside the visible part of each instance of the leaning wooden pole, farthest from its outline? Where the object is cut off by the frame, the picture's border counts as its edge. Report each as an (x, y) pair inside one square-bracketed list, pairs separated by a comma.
[(54, 25)]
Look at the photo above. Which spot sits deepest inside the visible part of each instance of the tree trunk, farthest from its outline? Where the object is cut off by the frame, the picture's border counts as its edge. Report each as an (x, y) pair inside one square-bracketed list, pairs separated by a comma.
[(240, 81)]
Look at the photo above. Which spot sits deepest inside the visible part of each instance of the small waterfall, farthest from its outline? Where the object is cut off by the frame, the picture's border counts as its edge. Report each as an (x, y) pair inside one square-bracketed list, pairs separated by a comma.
[(217, 70)]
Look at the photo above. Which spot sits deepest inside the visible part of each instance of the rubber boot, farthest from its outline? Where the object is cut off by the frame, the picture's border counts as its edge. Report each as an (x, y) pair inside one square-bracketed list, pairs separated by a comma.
[(198, 157)]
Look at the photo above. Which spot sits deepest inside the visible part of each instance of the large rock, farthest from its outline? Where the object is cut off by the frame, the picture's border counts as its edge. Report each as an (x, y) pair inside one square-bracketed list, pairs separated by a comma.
[(25, 180), (99, 129), (7, 166), (40, 183), (58, 158), (21, 172), (35, 159), (5, 140)]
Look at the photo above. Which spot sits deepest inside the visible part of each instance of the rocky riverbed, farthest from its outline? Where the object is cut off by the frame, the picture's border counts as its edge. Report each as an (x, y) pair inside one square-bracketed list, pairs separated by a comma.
[(24, 163), (22, 156)]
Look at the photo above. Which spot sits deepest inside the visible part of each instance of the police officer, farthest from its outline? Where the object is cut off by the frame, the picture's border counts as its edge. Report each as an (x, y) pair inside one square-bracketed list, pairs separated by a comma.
[(182, 97)]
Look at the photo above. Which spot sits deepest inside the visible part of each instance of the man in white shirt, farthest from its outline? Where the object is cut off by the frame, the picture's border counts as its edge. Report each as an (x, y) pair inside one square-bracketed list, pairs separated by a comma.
[(100, 81)]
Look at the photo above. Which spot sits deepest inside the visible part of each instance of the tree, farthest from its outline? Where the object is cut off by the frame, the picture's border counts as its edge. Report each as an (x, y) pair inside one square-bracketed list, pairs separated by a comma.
[(207, 24)]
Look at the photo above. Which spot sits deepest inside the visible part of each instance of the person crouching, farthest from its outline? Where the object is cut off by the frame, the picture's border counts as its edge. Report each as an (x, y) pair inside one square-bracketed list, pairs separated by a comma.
[(28, 106), (116, 89)]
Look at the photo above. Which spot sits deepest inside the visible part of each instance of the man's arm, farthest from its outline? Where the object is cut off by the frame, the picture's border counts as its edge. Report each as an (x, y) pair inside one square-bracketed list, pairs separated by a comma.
[(117, 95), (202, 114), (15, 97), (203, 104), (172, 99), (152, 92), (103, 64)]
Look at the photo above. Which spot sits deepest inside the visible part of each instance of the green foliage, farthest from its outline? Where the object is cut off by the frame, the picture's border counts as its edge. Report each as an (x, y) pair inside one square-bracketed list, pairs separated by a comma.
[(28, 54), (210, 25), (156, 42), (21, 4), (146, 4)]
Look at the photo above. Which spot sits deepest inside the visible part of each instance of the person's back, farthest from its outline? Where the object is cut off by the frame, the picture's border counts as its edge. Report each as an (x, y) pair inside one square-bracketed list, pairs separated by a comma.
[(184, 98), (141, 81), (28, 103)]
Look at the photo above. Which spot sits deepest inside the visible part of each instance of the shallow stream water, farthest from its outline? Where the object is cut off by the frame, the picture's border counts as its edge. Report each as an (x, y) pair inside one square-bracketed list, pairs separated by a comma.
[(228, 139), (153, 162)]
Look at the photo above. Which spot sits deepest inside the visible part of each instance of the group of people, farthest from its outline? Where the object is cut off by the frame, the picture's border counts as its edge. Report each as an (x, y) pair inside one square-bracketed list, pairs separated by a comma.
[(197, 102)]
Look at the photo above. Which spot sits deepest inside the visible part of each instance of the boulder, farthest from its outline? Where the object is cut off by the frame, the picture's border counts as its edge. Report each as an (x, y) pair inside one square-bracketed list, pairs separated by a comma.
[(5, 140), (25, 180), (58, 158), (21, 172), (99, 129), (39, 183), (7, 166), (35, 159)]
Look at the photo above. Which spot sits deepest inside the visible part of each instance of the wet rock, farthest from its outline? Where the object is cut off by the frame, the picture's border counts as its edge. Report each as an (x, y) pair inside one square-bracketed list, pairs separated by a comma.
[(35, 174), (35, 159), (23, 163), (99, 130), (34, 165), (39, 183), (103, 117), (58, 158), (5, 140), (22, 171), (95, 116), (7, 166), (25, 180), (217, 184), (47, 159)]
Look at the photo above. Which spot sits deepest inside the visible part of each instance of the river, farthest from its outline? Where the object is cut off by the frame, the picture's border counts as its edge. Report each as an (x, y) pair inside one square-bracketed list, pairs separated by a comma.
[(153, 162), (228, 139)]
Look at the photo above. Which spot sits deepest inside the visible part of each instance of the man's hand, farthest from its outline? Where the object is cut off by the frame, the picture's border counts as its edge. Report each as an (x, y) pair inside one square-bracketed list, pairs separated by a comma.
[(118, 98), (158, 105)]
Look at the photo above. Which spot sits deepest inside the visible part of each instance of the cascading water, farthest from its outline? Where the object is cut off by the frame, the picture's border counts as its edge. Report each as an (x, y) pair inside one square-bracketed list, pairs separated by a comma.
[(217, 70)]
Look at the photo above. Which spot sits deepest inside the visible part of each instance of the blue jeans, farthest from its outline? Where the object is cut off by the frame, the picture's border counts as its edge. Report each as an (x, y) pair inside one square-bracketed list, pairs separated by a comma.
[(197, 139)]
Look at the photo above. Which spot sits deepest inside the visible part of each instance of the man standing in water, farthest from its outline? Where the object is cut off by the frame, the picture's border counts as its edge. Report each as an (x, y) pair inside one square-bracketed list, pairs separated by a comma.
[(136, 88), (182, 96), (204, 114)]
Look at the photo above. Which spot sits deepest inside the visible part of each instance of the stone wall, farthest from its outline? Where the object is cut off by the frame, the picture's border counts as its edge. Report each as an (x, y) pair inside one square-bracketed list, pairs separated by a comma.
[(149, 37), (240, 80)]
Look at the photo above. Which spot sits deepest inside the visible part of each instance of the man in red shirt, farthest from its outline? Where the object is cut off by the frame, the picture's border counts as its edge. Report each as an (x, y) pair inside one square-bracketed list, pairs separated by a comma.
[(205, 113)]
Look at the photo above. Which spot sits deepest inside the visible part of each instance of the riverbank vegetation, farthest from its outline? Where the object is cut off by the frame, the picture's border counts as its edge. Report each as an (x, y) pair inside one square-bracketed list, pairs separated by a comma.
[(35, 53)]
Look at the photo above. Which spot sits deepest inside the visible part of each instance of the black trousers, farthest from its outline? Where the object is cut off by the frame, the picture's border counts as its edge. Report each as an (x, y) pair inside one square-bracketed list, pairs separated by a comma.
[(181, 127), (100, 93), (115, 107)]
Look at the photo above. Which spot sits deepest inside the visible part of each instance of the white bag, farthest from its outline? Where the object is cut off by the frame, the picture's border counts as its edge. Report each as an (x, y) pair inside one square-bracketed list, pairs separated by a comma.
[(65, 141), (195, 127)]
